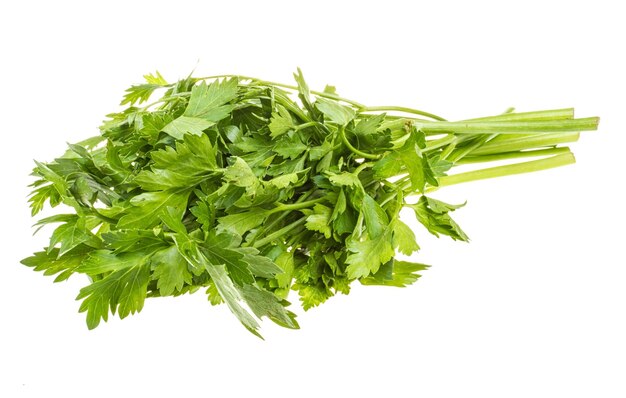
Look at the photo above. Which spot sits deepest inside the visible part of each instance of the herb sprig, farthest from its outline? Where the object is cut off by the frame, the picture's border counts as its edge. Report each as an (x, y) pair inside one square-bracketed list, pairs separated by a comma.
[(232, 185)]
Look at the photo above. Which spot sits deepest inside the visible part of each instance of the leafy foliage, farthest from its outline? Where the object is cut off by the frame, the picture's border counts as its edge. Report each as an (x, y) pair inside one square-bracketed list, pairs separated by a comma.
[(249, 189)]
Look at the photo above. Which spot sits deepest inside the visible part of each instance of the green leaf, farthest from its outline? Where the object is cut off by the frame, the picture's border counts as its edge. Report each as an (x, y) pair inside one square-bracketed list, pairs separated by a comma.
[(208, 101), (217, 251), (369, 126), (193, 161), (290, 146), (388, 166), (417, 165), (345, 222), (264, 303), (367, 134), (440, 207), (182, 125), (281, 122), (330, 89), (139, 93), (303, 90), (375, 217), (345, 179), (123, 291), (153, 123), (213, 295), (129, 240), (204, 214), (320, 151), (312, 295), (259, 264), (48, 174), (395, 273), (240, 174), (319, 219), (410, 158), (404, 238), (243, 222), (170, 271), (284, 181), (254, 149), (71, 234), (103, 261), (231, 296), (40, 196), (335, 112), (51, 263), (368, 254), (171, 218), (155, 78), (433, 214), (147, 207), (224, 286), (438, 166), (54, 219), (340, 205)]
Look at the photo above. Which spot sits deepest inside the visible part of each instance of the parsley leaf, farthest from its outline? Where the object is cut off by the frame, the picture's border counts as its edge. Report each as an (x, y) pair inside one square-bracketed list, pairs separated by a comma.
[(123, 291), (207, 105), (433, 214), (170, 271), (368, 254), (145, 208), (193, 160)]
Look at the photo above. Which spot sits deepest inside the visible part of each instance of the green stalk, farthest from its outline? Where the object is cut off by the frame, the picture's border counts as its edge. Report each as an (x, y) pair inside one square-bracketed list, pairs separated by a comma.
[(296, 206), (281, 217), (511, 127), (305, 125), (511, 169), (400, 109), (353, 149), (513, 155), (438, 143), (520, 142), (275, 235), (461, 152), (554, 114)]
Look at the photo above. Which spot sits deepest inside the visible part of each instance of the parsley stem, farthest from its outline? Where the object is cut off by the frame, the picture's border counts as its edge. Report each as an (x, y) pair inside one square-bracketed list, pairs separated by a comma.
[(275, 235), (362, 167), (400, 109), (512, 155), (553, 114), (354, 150), (434, 144), (305, 125), (295, 206), (448, 150), (520, 142), (511, 127), (506, 170), (461, 152), (282, 216)]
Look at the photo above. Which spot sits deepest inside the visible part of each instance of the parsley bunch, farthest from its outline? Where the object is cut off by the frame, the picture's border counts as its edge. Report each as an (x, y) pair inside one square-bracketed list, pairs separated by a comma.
[(233, 186)]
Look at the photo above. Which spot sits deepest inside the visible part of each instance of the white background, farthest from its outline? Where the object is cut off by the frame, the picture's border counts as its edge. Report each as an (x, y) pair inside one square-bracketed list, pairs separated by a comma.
[(533, 306)]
